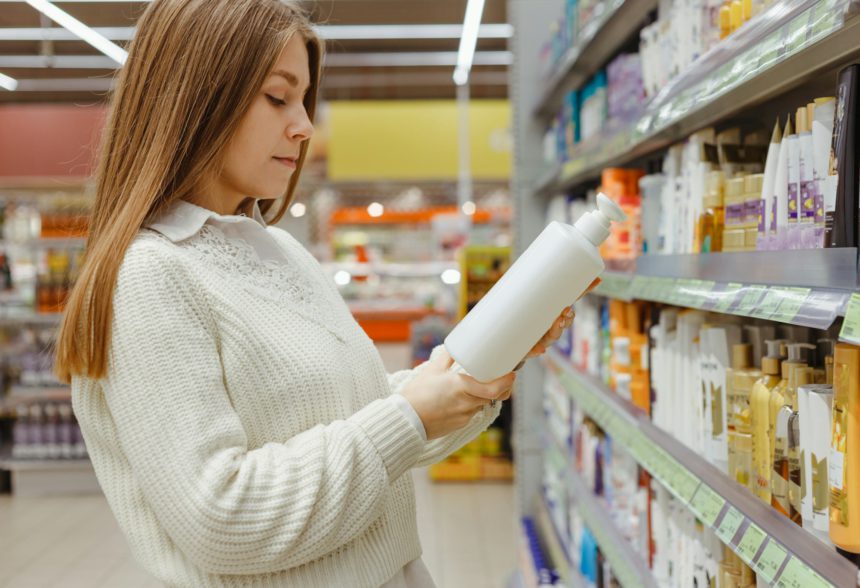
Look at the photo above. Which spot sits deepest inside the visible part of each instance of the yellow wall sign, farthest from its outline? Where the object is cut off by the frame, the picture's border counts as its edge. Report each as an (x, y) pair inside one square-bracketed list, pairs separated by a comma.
[(415, 140)]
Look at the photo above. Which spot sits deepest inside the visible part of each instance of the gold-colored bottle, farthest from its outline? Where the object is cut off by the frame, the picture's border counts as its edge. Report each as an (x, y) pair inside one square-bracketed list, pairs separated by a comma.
[(739, 383), (845, 450), (786, 453), (760, 420), (712, 221)]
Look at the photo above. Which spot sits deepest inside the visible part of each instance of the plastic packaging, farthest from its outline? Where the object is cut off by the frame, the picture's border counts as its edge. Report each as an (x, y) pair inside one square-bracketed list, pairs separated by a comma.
[(513, 316)]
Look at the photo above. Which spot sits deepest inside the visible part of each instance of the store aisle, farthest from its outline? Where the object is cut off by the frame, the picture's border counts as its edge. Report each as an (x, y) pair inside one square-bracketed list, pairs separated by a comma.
[(74, 542)]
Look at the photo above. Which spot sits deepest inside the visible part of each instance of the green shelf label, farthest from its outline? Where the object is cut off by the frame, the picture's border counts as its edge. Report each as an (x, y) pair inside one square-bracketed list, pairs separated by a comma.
[(707, 504), (729, 525), (799, 575), (771, 560), (750, 300), (727, 297), (769, 304), (750, 544), (851, 326), (683, 482), (793, 300)]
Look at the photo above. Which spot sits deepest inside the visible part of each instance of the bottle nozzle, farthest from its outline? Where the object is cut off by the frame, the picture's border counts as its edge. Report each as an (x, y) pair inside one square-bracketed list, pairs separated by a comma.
[(795, 351), (610, 208), (595, 225)]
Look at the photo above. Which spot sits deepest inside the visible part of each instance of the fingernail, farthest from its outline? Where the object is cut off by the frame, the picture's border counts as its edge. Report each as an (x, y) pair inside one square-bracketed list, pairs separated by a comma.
[(569, 312)]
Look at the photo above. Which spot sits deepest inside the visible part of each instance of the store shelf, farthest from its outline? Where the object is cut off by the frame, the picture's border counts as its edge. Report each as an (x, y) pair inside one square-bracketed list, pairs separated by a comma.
[(556, 547), (10, 318), (803, 43), (812, 290), (771, 544), (627, 565), (599, 40)]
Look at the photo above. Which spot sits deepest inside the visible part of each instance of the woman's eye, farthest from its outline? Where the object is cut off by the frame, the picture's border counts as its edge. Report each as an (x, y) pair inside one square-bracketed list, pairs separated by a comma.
[(275, 101)]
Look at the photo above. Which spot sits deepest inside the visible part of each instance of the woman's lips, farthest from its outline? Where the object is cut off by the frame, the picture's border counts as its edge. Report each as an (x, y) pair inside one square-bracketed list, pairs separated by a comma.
[(290, 162)]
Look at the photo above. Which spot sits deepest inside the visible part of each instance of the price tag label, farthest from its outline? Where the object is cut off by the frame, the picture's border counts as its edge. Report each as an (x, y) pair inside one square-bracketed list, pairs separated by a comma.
[(851, 325), (729, 525), (797, 30), (769, 305), (771, 560), (825, 18), (769, 50), (799, 575), (792, 301), (707, 504), (750, 543), (752, 296), (727, 297), (684, 483)]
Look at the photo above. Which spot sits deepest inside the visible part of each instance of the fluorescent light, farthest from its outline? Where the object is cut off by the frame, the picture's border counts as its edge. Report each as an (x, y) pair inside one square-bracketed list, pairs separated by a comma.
[(327, 32), (376, 210), (66, 20), (451, 277), (414, 59), (8, 83), (56, 62), (342, 278), (471, 24)]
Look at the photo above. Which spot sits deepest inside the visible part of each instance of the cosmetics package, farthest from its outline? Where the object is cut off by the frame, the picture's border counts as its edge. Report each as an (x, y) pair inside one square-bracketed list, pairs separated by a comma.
[(842, 226)]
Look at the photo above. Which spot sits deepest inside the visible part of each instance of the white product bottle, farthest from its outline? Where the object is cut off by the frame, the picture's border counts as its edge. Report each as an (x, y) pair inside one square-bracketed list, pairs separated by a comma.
[(518, 311)]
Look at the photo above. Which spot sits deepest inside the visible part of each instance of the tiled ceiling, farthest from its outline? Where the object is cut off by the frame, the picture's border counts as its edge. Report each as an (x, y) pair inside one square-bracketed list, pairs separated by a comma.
[(350, 73)]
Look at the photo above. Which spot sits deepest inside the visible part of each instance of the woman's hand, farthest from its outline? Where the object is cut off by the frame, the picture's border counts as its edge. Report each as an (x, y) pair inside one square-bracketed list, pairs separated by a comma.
[(446, 401), (564, 321)]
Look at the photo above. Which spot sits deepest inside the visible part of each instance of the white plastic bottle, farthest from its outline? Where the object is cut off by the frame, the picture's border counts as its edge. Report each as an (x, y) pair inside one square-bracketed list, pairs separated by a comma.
[(518, 311)]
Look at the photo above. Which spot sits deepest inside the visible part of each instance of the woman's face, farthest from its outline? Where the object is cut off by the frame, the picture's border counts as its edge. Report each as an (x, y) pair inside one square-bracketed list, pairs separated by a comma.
[(262, 155)]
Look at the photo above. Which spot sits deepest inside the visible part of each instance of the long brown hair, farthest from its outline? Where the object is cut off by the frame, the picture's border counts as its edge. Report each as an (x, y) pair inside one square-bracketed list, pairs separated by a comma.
[(193, 70)]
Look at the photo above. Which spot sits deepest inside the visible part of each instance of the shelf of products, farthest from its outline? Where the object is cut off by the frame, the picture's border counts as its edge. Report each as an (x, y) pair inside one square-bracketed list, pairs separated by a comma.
[(765, 540), (626, 564), (812, 291), (611, 23), (556, 547), (795, 42)]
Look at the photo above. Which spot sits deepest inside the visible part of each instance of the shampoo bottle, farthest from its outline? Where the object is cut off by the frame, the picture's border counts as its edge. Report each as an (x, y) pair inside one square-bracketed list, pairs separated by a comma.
[(822, 132), (760, 421), (767, 189), (786, 459), (814, 403), (806, 215), (513, 316), (844, 447), (792, 141), (740, 380)]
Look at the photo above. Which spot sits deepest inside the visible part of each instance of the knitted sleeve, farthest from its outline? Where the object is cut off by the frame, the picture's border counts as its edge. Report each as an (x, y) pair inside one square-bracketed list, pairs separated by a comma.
[(438, 449), (229, 508)]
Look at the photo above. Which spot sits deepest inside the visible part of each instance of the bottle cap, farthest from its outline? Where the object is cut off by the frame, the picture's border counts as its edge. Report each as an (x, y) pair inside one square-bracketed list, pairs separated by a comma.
[(770, 363), (741, 356), (595, 224)]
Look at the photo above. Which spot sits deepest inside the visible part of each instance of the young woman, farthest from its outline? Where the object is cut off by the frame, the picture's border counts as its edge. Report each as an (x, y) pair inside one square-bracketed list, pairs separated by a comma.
[(241, 424)]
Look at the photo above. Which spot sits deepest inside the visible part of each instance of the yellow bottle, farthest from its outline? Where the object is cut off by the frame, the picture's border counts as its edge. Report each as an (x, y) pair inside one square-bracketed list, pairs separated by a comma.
[(747, 8), (740, 380), (760, 421), (725, 21), (737, 14), (785, 482), (712, 220), (845, 450)]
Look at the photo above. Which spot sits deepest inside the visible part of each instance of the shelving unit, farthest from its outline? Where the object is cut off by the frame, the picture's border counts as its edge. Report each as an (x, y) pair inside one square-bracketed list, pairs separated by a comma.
[(764, 539), (812, 291), (628, 565), (763, 65), (598, 41), (793, 43)]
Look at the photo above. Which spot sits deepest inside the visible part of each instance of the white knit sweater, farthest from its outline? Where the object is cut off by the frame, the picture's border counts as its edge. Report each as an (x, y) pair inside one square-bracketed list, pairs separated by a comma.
[(245, 434)]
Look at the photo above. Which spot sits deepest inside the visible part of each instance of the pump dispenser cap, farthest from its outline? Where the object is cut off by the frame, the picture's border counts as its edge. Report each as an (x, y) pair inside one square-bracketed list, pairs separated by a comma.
[(595, 224), (770, 363), (795, 351), (741, 356)]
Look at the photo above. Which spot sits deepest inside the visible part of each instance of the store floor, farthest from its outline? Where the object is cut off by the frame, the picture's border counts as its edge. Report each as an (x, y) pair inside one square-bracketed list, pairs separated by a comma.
[(467, 532)]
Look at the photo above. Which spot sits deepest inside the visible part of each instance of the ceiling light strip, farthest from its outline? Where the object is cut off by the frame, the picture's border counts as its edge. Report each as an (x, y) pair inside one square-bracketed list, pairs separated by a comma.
[(469, 40), (66, 20)]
